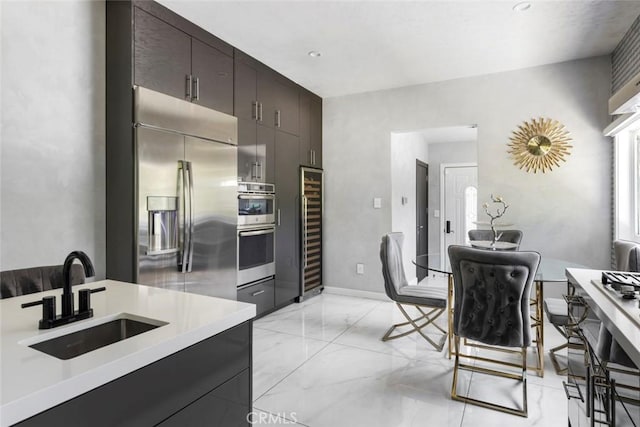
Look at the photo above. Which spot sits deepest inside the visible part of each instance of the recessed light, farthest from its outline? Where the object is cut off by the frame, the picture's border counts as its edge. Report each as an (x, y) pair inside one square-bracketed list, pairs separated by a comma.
[(522, 6), (314, 53)]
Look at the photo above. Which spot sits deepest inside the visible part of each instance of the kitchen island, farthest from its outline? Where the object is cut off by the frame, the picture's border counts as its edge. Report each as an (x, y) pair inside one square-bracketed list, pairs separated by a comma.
[(169, 374)]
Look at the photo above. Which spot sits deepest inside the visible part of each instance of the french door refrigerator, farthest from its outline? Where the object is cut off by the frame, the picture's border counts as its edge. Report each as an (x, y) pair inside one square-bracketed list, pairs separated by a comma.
[(186, 195), (311, 209)]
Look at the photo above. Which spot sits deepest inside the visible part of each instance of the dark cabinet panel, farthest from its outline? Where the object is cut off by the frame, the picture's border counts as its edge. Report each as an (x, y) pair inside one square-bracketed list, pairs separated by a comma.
[(261, 294), (162, 55), (286, 107), (265, 156), (214, 73), (226, 405), (245, 93), (310, 129), (155, 392), (287, 257)]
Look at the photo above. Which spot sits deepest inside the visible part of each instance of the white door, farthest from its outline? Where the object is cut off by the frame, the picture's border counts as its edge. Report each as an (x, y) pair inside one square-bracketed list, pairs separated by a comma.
[(460, 206)]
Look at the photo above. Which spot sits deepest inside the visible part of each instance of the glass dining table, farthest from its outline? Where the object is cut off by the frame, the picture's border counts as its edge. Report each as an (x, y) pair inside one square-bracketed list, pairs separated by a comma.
[(550, 270)]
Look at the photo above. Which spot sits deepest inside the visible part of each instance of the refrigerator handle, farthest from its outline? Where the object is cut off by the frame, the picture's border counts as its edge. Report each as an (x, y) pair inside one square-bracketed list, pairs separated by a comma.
[(183, 203), (191, 239)]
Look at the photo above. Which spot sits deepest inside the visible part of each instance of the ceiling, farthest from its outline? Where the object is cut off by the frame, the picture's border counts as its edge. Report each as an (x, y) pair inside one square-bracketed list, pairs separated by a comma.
[(374, 45)]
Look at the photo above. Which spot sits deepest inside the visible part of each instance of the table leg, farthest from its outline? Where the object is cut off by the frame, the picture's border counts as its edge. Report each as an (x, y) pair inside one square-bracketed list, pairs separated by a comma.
[(539, 328)]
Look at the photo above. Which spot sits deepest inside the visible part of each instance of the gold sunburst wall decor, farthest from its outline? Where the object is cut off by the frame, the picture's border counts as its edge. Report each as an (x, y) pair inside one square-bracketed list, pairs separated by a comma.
[(539, 144)]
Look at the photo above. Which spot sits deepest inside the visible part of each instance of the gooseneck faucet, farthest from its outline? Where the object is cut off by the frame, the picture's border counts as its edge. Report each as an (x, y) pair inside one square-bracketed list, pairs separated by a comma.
[(67, 295), (49, 317)]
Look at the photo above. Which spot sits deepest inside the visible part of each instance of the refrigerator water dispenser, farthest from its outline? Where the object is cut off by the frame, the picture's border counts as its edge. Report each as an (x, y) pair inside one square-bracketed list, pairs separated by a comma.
[(163, 225)]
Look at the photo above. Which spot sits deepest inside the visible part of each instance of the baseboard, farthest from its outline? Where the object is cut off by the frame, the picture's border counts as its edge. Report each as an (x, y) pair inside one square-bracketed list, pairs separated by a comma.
[(380, 296)]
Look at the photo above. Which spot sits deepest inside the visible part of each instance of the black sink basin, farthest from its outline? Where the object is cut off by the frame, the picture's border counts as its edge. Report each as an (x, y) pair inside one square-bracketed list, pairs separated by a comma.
[(83, 341)]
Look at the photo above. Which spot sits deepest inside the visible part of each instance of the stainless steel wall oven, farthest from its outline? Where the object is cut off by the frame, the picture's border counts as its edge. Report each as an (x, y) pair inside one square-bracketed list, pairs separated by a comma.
[(256, 232)]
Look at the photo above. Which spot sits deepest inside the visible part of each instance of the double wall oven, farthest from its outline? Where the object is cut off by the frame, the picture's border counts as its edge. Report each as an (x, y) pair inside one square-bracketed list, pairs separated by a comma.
[(256, 233)]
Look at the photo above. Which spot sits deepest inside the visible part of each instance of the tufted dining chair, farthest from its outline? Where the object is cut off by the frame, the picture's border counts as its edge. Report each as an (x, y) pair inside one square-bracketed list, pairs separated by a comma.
[(511, 236), (25, 281), (491, 307), (420, 297)]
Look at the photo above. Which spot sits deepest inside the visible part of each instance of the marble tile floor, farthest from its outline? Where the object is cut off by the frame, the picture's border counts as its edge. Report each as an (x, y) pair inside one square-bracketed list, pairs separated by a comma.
[(322, 363)]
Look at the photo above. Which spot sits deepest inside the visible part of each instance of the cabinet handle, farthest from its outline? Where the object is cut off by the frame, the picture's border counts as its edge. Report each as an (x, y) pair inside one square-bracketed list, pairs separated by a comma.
[(257, 293), (277, 118), (278, 217), (260, 175), (313, 157), (260, 111), (197, 89), (254, 112), (189, 86)]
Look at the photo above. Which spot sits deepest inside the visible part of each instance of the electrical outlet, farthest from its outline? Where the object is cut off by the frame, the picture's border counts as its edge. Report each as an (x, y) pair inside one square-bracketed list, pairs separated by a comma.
[(360, 268), (377, 203)]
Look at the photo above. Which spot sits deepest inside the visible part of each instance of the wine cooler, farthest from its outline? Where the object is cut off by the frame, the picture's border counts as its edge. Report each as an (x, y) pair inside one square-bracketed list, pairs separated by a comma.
[(311, 236)]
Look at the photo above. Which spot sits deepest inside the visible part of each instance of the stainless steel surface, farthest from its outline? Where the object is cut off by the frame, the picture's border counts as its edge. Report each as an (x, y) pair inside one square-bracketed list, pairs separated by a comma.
[(256, 273), (311, 271), (85, 340), (256, 232), (256, 196), (256, 191), (256, 293), (156, 110), (197, 88), (304, 227), (278, 217), (201, 174)]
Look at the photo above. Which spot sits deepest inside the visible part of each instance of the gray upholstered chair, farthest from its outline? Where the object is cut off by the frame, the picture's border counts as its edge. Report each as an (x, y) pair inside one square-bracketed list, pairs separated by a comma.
[(511, 236), (36, 279), (421, 297), (491, 307)]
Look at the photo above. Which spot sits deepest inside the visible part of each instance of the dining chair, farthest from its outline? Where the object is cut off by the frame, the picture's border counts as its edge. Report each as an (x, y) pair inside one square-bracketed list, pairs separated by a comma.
[(491, 307), (511, 236), (36, 279), (429, 301)]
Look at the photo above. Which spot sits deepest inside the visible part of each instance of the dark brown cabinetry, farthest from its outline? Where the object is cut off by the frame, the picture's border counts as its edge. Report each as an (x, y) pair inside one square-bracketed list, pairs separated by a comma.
[(168, 60), (310, 129), (287, 215), (207, 382)]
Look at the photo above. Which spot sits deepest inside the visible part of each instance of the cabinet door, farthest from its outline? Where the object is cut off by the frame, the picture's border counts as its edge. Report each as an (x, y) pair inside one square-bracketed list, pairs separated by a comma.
[(226, 406), (214, 71), (286, 107), (265, 154), (247, 150), (162, 55), (287, 259), (266, 90), (305, 129), (315, 128), (245, 95)]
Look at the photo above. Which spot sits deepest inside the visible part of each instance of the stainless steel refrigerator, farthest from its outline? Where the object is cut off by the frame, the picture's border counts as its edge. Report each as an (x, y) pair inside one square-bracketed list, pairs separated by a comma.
[(186, 197)]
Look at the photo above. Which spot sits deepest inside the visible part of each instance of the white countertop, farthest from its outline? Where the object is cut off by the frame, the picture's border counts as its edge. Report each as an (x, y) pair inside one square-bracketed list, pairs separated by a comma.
[(620, 316), (32, 381)]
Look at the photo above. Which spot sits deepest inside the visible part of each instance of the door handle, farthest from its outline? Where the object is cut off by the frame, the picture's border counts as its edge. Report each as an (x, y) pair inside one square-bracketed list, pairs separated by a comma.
[(448, 229), (185, 231), (191, 240)]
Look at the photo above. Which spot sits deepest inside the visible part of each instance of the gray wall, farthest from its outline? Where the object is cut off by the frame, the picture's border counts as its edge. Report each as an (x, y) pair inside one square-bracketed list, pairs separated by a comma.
[(52, 157), (563, 213)]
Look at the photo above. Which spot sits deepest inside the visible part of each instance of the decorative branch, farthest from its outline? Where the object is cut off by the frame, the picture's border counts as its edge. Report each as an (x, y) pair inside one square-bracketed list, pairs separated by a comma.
[(498, 214)]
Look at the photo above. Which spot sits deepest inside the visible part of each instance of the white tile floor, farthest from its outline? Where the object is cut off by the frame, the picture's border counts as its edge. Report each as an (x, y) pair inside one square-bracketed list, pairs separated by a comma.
[(322, 363)]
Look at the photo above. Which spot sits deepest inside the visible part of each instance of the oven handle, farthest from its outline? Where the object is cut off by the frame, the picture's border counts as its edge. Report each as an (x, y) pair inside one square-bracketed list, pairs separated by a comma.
[(256, 232), (256, 196)]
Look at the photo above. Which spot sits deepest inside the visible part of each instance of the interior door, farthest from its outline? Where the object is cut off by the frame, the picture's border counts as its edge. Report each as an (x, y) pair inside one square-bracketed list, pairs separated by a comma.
[(213, 203), (422, 229), (460, 184), (159, 179)]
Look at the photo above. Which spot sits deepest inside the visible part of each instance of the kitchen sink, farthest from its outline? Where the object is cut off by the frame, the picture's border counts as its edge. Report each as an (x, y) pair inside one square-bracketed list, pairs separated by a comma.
[(85, 340)]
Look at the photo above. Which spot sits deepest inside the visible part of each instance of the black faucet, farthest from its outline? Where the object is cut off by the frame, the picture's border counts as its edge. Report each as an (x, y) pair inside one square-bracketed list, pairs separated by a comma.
[(67, 295), (68, 315)]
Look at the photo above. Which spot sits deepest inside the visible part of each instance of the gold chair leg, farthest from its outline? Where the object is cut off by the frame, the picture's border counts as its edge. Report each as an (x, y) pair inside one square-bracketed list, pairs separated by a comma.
[(523, 378), (429, 319)]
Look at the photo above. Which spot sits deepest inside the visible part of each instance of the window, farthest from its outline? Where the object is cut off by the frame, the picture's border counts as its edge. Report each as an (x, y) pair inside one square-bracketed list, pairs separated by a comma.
[(627, 184)]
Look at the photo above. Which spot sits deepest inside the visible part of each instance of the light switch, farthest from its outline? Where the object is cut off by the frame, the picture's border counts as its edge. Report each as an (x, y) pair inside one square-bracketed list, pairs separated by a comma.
[(377, 202), (405, 200), (436, 213), (359, 268)]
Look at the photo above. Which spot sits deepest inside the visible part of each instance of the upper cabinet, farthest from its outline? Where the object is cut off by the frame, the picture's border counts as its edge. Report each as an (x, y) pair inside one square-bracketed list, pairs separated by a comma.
[(310, 129), (168, 60), (264, 96)]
